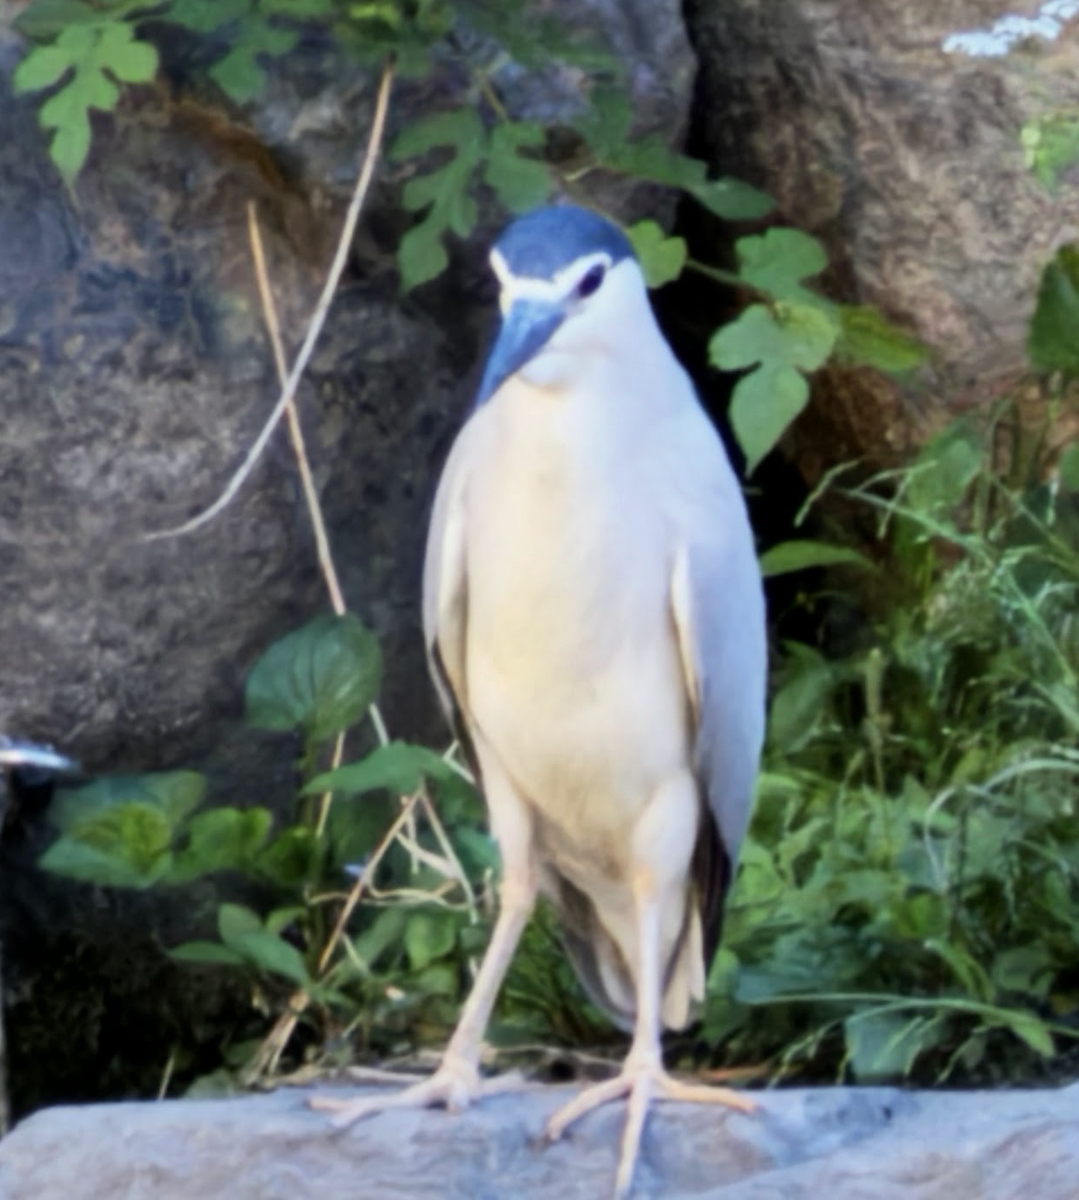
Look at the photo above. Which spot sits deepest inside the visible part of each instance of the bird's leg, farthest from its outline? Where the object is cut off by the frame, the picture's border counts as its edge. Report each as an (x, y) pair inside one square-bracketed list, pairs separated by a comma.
[(642, 1077), (457, 1080)]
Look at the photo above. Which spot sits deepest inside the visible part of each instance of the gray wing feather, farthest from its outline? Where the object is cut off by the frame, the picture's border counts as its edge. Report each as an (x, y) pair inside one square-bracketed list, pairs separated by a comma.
[(718, 610), (445, 587)]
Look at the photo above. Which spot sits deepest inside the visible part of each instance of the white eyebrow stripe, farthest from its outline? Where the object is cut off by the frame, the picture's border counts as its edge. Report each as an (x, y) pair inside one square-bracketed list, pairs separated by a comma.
[(551, 291)]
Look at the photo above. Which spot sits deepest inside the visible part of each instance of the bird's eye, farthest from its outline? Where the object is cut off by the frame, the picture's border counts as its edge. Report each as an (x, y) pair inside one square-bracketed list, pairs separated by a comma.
[(590, 281)]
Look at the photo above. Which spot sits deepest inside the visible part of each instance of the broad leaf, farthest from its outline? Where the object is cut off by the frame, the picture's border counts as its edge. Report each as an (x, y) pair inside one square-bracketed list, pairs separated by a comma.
[(207, 952), (777, 261), (320, 679), (174, 793), (220, 839), (1068, 469), (385, 931), (80, 860), (763, 406), (290, 859), (95, 54), (867, 336), (240, 74), (397, 767), (802, 554), (1053, 343), (234, 921), (521, 183), (430, 934), (444, 192), (661, 257), (785, 340), (204, 16), (883, 1045)]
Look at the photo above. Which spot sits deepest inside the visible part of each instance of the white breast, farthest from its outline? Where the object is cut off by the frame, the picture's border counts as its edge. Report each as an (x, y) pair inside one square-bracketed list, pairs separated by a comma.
[(573, 670)]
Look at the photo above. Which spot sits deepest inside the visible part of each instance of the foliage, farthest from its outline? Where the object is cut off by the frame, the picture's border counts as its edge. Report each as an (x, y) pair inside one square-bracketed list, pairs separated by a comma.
[(907, 904), (1053, 344), (1051, 146), (90, 57), (452, 158), (403, 963), (907, 896)]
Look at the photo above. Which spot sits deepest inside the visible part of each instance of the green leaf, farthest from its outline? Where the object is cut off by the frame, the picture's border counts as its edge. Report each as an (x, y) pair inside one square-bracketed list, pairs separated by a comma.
[(883, 1045), (661, 257), (240, 74), (731, 199), (520, 183), (207, 952), (397, 767), (796, 335), (867, 336), (204, 16), (443, 192), (430, 934), (174, 793), (41, 68), (944, 470), (459, 128), (776, 262), (1053, 343), (75, 859), (272, 954), (784, 340), (234, 921), (96, 53), (605, 124), (1068, 468), (1030, 1029), (763, 406), (290, 859), (281, 918), (45, 20), (1051, 146), (320, 679), (244, 934), (802, 554), (386, 930), (117, 832), (218, 840), (801, 699), (421, 256), (1025, 969)]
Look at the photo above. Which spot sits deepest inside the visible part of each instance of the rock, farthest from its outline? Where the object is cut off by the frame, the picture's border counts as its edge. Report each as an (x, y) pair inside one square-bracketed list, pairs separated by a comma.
[(886, 132), (830, 1142)]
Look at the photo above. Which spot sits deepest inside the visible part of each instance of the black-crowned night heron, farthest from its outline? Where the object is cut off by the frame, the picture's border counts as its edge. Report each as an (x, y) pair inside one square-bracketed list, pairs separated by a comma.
[(595, 623)]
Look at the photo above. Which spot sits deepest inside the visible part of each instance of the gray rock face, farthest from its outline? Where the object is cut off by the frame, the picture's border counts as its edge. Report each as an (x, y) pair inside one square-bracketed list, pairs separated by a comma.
[(898, 142), (874, 1143)]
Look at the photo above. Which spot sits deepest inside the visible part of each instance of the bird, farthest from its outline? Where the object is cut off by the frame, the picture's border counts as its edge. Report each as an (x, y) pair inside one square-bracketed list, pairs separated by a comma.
[(595, 626)]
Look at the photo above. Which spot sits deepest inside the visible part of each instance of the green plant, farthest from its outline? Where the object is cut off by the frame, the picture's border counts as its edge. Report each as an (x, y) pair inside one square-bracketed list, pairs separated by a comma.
[(86, 46), (402, 959), (908, 899)]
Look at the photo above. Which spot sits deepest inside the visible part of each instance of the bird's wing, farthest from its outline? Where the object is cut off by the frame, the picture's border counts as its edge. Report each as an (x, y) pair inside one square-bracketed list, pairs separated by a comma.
[(718, 614), (445, 587)]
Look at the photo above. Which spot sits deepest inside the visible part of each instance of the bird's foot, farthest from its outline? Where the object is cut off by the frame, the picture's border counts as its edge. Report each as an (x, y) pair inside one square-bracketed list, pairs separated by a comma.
[(641, 1083), (454, 1086)]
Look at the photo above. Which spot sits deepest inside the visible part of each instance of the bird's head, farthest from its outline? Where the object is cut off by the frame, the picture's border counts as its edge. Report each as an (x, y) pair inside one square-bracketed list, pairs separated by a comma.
[(569, 287)]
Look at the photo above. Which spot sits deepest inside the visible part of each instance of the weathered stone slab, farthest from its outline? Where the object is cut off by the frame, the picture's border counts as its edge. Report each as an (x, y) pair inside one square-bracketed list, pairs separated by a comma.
[(877, 1143)]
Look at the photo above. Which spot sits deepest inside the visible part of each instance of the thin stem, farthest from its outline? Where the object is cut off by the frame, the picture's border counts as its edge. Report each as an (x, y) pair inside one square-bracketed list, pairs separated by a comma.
[(288, 390)]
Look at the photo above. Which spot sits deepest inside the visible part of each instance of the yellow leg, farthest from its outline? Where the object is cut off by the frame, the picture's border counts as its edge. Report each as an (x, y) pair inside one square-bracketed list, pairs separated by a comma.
[(642, 1077), (457, 1081)]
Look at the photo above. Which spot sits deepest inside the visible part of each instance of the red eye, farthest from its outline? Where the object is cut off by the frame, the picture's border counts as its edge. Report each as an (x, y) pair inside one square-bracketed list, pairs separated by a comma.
[(590, 281)]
